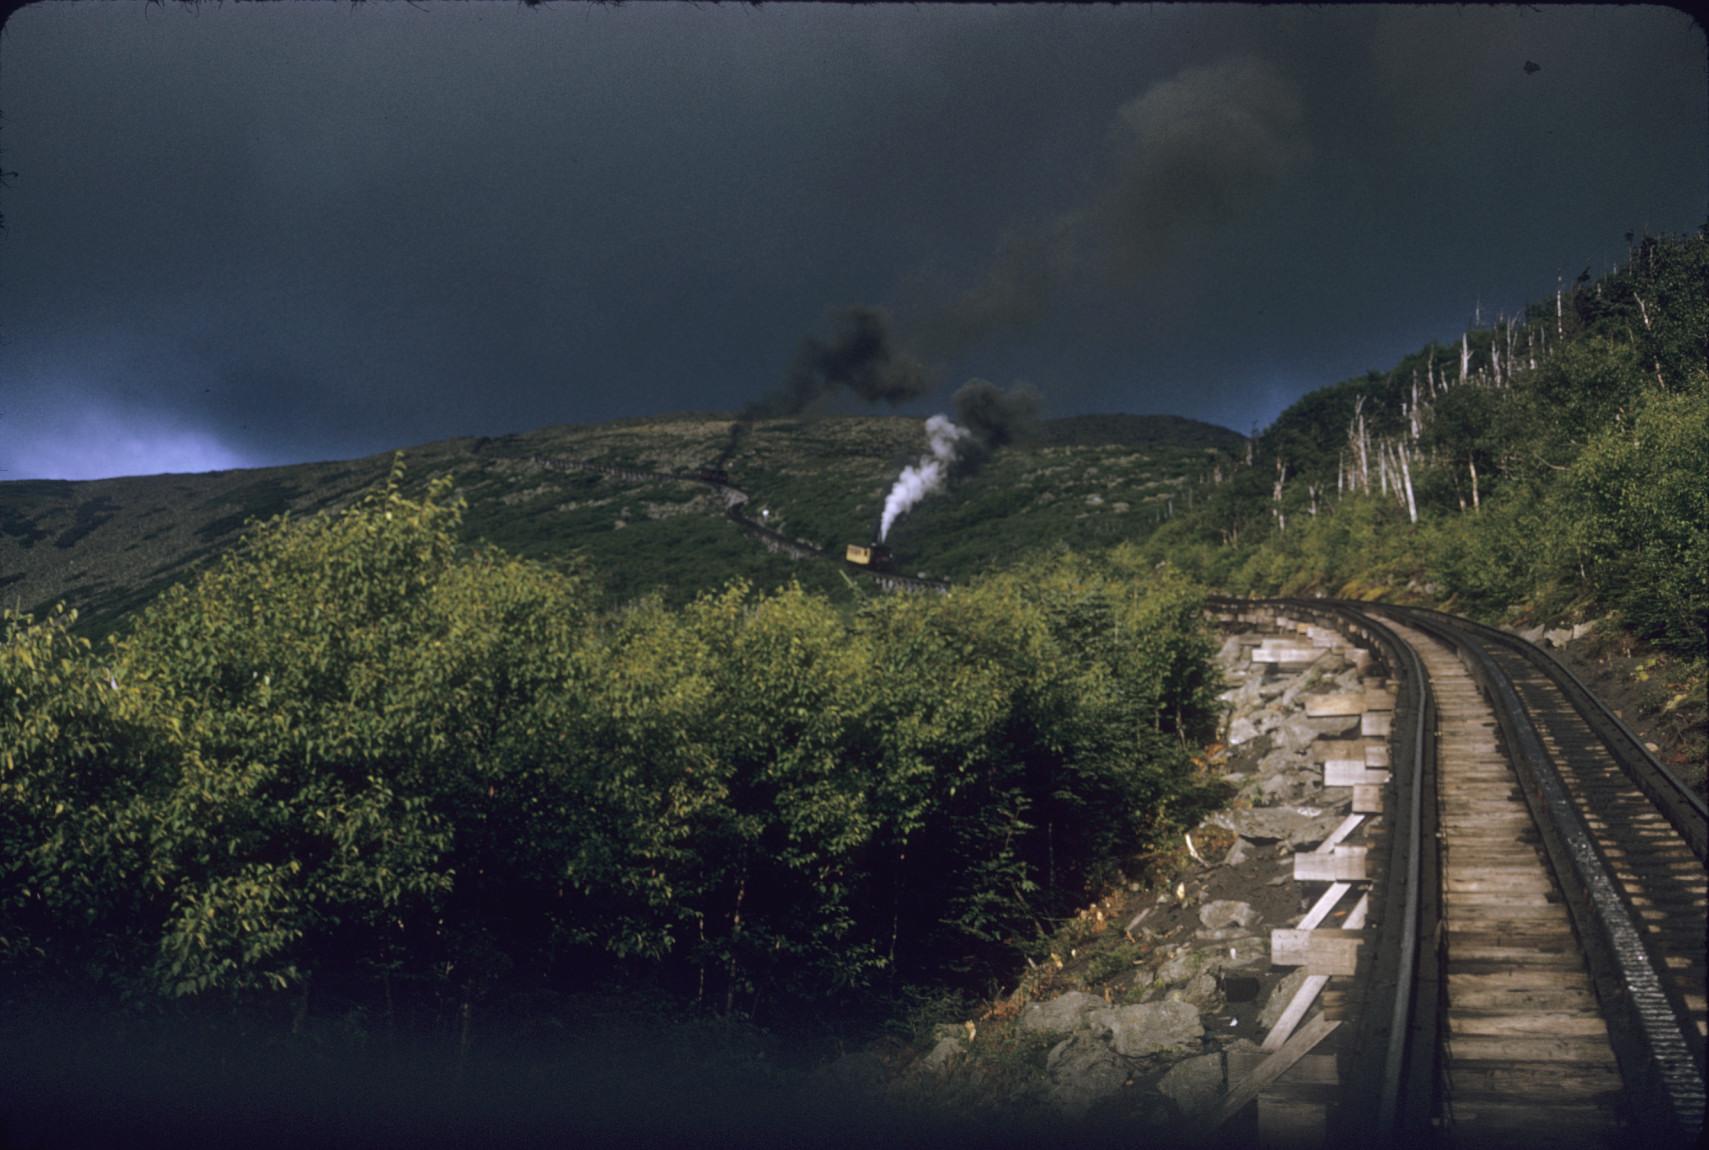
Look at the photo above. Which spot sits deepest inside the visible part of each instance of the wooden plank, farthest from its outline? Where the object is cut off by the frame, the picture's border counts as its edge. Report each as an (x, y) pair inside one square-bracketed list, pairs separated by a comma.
[(1291, 1122), (1573, 1049), (1376, 723), (1367, 798), (1377, 755), (1310, 1070), (1329, 706), (1320, 951), (1295, 1010), (1351, 773), (1346, 827), (1297, 1047), (1342, 864), (1529, 1024), (1378, 700), (1325, 903), (1525, 1080), (1306, 655), (1526, 998), (1521, 977)]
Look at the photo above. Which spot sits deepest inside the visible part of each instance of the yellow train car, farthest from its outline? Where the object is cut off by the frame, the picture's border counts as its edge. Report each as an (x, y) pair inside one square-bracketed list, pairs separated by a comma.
[(872, 555)]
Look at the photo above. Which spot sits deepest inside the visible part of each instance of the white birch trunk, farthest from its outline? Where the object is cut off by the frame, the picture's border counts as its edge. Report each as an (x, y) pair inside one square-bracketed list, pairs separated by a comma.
[(1406, 478)]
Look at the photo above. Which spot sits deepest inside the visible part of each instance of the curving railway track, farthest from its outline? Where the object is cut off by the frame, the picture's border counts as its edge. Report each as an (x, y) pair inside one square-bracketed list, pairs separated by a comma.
[(1536, 949), (1533, 964)]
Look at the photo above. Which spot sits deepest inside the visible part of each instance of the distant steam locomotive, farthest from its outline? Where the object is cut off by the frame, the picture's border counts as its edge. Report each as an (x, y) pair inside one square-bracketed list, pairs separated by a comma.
[(873, 555)]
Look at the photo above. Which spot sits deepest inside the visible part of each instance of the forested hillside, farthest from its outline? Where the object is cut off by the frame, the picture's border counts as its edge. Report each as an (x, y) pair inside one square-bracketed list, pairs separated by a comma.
[(361, 769), (1551, 465)]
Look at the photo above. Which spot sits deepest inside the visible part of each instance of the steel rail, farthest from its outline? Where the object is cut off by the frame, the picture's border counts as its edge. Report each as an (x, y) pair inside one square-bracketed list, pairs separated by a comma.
[(1654, 1056), (1681, 805)]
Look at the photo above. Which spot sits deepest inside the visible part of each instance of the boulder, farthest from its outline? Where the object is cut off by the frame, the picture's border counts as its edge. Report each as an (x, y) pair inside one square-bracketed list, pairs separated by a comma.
[(1531, 634), (1150, 1027), (1083, 1071), (1238, 853), (1060, 1015), (1241, 730), (1558, 637), (1228, 912), (1334, 726), (1219, 934), (944, 1055), (1193, 1084), (1201, 991), (1265, 824), (1297, 733), (1239, 952), (1307, 835), (1580, 630)]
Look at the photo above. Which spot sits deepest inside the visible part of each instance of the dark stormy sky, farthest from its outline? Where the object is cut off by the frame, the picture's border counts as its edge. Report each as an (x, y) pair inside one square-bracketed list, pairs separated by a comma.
[(252, 234)]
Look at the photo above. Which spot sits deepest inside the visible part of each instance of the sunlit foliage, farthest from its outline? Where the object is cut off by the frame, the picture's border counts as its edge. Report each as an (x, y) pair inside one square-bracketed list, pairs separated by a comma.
[(357, 755)]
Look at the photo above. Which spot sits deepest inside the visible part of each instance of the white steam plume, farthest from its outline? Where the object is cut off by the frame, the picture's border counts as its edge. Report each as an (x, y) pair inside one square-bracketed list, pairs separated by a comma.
[(919, 480)]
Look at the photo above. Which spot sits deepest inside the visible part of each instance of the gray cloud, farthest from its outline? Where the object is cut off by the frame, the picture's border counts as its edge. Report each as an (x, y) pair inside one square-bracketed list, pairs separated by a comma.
[(1188, 154), (1194, 152)]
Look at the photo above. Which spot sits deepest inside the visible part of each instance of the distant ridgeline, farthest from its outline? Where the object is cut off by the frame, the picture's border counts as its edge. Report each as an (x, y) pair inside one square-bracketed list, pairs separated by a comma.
[(1544, 464)]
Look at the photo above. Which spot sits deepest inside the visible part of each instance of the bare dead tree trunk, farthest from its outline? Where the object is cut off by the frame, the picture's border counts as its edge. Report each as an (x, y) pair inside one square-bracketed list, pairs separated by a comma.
[(1312, 489), (1406, 478), (1472, 466), (1361, 444), (1276, 494), (1465, 355), (1560, 330), (1645, 313)]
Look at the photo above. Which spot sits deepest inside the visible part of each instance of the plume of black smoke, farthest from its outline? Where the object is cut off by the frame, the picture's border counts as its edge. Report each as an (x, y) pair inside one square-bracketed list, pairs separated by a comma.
[(1188, 154), (862, 357), (993, 418)]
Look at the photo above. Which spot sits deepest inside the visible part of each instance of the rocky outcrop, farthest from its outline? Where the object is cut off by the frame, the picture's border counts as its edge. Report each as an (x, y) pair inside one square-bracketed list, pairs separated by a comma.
[(1149, 1028)]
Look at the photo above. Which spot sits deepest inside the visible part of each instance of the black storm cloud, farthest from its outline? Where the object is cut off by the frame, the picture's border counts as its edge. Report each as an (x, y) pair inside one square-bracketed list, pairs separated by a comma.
[(252, 234)]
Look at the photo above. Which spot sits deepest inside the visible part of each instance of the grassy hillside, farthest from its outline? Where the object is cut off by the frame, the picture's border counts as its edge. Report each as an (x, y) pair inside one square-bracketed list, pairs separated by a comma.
[(107, 546)]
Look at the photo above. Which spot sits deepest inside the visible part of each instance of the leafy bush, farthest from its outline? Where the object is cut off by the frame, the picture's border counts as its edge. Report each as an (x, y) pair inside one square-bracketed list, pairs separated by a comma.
[(355, 753)]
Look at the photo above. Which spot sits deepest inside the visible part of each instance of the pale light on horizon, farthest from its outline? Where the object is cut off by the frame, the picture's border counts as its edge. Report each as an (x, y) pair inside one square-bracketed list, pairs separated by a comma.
[(107, 445)]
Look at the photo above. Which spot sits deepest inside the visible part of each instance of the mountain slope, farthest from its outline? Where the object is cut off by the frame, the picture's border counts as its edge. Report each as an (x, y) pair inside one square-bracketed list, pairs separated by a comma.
[(107, 546)]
